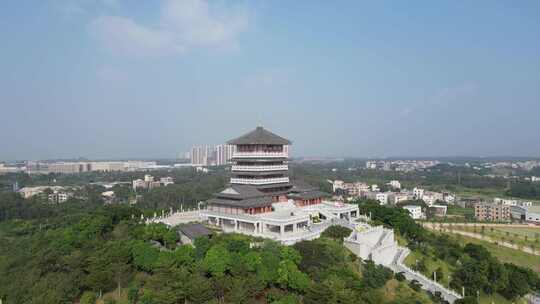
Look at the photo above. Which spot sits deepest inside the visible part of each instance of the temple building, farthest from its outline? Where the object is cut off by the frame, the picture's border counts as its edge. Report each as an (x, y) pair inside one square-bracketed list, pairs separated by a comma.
[(262, 200)]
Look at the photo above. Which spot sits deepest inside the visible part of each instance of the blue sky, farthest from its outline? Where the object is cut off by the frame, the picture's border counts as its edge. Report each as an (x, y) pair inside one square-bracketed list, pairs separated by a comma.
[(119, 78)]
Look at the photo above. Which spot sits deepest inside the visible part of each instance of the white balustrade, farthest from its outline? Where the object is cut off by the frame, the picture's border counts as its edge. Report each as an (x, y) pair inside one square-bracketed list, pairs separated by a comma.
[(256, 154), (259, 181), (260, 168)]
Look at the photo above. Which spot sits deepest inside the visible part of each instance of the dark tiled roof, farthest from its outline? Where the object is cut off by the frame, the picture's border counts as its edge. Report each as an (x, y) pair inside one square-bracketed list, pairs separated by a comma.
[(302, 186), (268, 186), (244, 191), (309, 195), (193, 231), (259, 136), (244, 203)]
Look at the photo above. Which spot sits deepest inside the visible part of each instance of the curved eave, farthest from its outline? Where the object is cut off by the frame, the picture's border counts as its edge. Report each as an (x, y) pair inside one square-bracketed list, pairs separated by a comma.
[(246, 203), (270, 186), (259, 136)]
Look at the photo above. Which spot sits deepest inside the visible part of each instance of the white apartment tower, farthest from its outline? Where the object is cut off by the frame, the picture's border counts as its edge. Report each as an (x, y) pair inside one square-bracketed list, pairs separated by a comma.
[(224, 153), (199, 155)]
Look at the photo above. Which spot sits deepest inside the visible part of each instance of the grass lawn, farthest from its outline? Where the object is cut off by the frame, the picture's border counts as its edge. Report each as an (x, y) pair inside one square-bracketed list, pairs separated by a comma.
[(447, 270), (498, 299), (113, 295), (505, 254), (531, 233), (401, 240), (431, 265), (395, 289), (522, 236), (488, 193), (457, 210), (480, 192)]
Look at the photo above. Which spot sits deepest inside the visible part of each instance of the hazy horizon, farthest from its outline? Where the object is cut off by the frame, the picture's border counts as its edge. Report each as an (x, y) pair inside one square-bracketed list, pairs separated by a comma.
[(304, 157), (116, 79)]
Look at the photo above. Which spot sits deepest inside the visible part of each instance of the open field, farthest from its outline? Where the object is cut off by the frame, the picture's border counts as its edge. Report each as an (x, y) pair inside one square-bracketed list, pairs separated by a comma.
[(522, 237), (504, 254), (522, 232), (459, 214), (477, 192), (488, 193)]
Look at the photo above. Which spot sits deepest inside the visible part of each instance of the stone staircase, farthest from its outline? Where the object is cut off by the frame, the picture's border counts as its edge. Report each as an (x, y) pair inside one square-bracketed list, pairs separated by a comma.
[(328, 215)]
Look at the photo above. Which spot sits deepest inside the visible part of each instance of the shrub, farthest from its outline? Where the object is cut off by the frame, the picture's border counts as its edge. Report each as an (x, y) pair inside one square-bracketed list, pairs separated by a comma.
[(88, 297)]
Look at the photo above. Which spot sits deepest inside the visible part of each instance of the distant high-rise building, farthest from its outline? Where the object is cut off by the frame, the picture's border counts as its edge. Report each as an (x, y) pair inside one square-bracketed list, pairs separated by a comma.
[(207, 155), (200, 155), (224, 154), (184, 155), (68, 167)]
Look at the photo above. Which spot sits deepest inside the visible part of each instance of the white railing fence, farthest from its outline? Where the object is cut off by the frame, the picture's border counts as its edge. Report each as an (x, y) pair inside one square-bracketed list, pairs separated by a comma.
[(260, 168), (259, 154), (259, 181)]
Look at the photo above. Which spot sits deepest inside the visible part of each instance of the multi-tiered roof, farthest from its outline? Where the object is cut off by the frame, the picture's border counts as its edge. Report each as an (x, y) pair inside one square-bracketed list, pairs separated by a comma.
[(259, 174), (260, 136), (260, 160)]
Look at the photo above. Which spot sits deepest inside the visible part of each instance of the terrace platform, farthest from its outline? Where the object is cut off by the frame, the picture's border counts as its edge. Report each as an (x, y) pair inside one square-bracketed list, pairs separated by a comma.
[(287, 223)]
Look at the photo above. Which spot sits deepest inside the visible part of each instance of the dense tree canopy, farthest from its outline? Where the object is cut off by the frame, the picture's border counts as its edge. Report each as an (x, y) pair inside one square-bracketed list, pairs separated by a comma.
[(524, 190), (83, 249), (79, 254), (476, 269)]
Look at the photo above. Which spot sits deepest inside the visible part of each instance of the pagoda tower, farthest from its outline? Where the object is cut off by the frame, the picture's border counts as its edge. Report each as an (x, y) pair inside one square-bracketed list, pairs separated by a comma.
[(259, 174), (260, 160)]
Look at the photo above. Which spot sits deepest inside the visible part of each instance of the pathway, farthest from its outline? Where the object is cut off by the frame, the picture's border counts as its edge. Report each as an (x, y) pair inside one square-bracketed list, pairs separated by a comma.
[(487, 225), (176, 218), (426, 283), (482, 237)]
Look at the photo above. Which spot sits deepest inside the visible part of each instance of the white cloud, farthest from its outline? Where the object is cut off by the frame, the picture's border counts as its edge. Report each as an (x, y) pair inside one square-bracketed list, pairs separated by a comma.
[(123, 35), (183, 25)]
